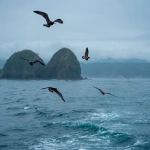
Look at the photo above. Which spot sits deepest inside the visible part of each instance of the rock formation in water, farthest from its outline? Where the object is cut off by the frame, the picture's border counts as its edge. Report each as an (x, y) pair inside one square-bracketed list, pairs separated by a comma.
[(0, 73), (64, 65), (16, 68)]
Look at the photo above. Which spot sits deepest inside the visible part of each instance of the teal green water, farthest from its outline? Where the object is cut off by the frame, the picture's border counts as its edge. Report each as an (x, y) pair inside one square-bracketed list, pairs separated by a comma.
[(36, 119)]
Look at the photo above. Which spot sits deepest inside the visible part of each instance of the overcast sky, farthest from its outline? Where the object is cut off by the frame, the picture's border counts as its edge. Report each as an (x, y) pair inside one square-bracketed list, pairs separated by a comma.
[(109, 28)]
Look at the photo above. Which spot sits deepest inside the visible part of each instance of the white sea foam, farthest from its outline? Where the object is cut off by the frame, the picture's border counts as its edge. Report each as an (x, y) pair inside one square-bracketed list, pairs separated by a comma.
[(101, 115), (26, 108)]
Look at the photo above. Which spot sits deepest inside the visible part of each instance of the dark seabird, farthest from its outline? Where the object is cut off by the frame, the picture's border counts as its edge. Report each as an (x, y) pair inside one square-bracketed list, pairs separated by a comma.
[(49, 22), (33, 62), (103, 92), (51, 89), (86, 57)]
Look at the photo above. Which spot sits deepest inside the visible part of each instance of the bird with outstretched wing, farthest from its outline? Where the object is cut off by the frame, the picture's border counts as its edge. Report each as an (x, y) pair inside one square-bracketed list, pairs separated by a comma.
[(51, 89), (49, 22), (103, 93), (33, 62)]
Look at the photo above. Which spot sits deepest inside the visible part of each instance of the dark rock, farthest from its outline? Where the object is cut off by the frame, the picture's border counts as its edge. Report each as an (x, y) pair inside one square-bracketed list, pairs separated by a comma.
[(64, 65), (0, 73), (16, 68), (2, 62)]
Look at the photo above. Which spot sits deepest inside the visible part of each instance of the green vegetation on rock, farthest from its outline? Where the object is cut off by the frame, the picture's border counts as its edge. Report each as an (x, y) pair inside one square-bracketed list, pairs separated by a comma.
[(16, 68), (64, 65)]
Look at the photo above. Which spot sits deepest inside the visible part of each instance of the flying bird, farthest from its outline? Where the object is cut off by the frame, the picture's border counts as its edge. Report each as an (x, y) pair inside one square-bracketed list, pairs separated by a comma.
[(86, 57), (51, 89), (128, 79), (33, 62), (49, 22), (103, 92)]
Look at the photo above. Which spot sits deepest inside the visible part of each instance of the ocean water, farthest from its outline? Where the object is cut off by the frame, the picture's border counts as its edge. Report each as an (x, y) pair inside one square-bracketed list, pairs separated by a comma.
[(35, 119)]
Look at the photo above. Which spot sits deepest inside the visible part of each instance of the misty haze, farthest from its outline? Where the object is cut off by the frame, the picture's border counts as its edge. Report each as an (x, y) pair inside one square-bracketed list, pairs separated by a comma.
[(74, 75)]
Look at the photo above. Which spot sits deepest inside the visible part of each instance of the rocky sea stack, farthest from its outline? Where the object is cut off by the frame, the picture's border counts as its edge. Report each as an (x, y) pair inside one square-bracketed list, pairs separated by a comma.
[(16, 68), (63, 65), (0, 72)]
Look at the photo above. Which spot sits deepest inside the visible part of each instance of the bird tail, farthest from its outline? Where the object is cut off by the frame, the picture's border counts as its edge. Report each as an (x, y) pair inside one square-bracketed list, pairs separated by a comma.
[(43, 88), (45, 25)]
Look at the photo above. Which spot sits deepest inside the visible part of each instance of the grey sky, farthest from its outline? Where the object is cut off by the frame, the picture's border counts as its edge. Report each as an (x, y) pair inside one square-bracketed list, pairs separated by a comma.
[(109, 28)]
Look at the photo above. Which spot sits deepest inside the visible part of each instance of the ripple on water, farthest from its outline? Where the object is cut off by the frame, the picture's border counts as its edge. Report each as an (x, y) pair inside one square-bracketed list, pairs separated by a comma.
[(2, 134), (21, 114), (37, 99)]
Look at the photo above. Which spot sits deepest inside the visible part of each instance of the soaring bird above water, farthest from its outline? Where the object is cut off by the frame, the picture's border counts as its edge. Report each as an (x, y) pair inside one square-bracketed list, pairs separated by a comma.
[(49, 22), (129, 80), (51, 89), (33, 62), (103, 92), (86, 57)]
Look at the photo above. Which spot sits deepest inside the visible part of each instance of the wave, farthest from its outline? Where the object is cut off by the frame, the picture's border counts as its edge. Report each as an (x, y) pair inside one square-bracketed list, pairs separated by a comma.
[(51, 114), (3, 146), (44, 113), (37, 99), (92, 137), (21, 114), (13, 108), (83, 125), (141, 144), (2, 134)]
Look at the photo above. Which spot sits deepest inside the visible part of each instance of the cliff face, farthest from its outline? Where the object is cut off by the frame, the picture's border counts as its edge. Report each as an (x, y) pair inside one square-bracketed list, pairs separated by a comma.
[(2, 62), (0, 73), (64, 65), (16, 68)]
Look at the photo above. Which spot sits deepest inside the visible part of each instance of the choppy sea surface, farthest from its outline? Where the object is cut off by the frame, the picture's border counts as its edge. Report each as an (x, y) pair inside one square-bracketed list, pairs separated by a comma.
[(35, 119)]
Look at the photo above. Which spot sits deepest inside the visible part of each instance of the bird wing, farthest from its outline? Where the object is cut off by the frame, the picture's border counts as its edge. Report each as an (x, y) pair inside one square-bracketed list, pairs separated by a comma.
[(86, 52), (39, 62), (56, 91), (58, 20), (99, 90), (45, 88), (111, 94), (127, 78), (44, 15), (25, 59)]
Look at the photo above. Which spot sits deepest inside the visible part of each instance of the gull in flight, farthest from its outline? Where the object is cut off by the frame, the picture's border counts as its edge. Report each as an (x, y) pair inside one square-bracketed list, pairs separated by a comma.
[(51, 89), (33, 62), (103, 92), (86, 57), (49, 22), (128, 79)]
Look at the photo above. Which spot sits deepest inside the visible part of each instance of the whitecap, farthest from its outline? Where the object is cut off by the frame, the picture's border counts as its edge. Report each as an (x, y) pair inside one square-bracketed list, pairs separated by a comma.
[(103, 116), (27, 107)]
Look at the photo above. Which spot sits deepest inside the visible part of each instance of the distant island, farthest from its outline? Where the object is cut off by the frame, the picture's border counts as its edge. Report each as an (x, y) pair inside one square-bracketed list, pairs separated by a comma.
[(115, 70), (63, 65)]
